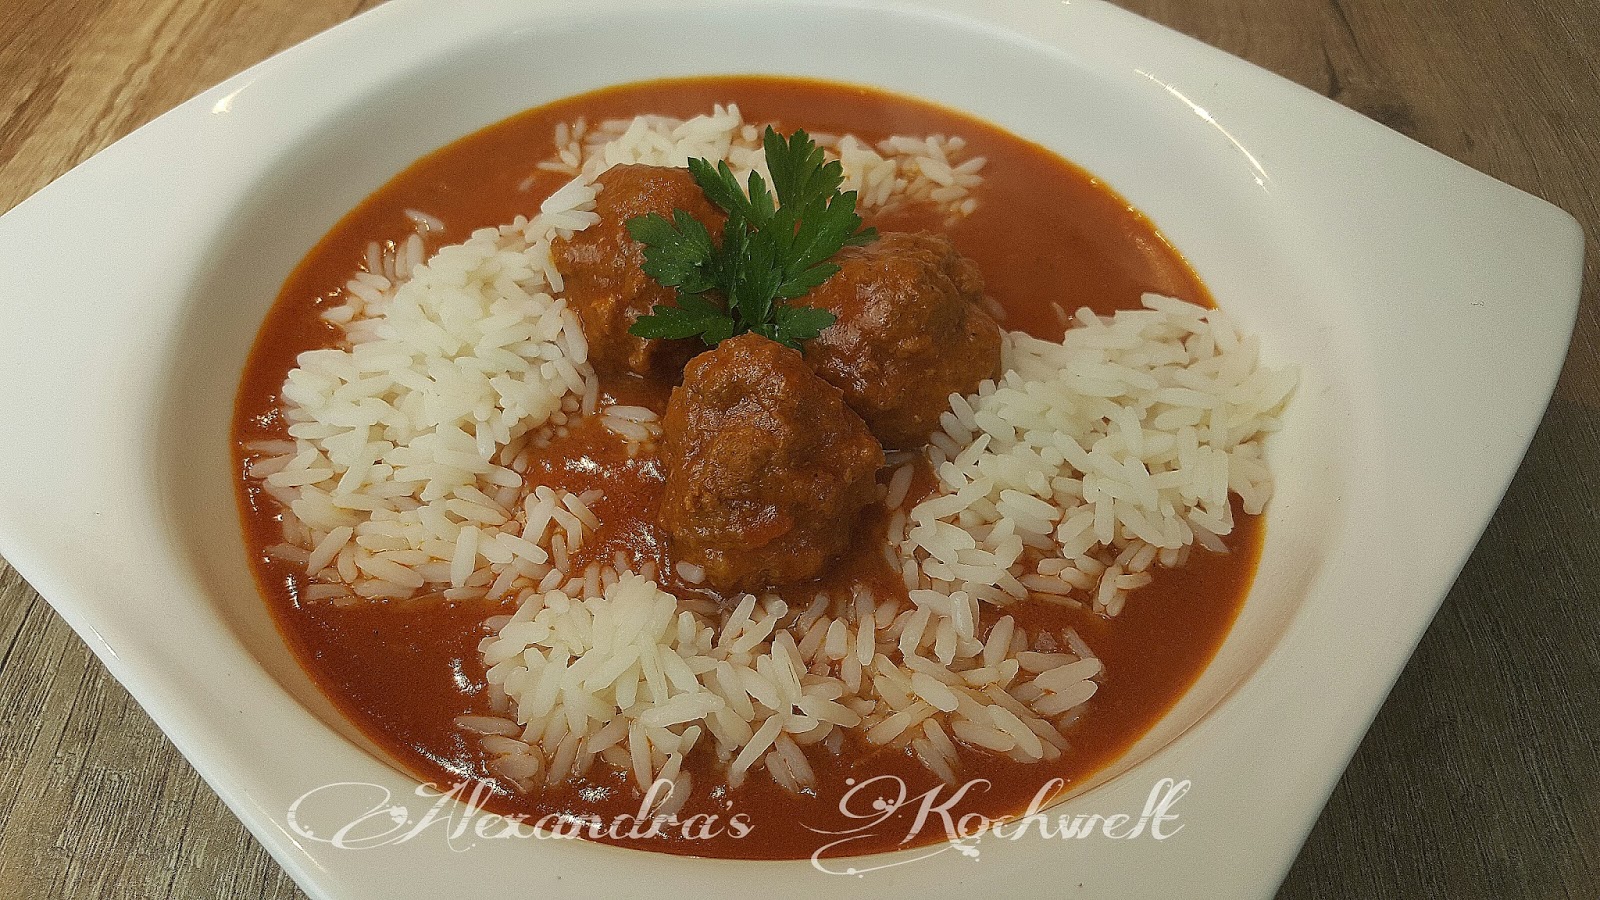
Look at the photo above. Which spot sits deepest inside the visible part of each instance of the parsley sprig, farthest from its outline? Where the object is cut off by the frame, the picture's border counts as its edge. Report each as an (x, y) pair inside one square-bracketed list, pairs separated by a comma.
[(775, 247)]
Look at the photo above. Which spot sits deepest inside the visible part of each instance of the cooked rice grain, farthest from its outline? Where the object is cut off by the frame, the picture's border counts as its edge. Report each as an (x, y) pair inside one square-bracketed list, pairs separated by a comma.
[(1096, 458)]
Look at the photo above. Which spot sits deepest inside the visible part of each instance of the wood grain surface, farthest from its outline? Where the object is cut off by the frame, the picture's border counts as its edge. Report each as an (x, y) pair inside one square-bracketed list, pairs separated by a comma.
[(1480, 776)]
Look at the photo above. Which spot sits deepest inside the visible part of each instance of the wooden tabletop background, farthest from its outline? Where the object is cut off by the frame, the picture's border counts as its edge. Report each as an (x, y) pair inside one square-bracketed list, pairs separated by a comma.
[(1480, 777)]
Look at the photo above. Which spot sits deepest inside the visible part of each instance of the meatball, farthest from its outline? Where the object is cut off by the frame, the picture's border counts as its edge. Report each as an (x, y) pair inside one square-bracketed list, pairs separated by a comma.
[(766, 467), (601, 267), (910, 332)]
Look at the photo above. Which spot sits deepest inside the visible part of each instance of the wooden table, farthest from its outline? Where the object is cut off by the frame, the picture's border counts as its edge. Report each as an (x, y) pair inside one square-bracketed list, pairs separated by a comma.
[(1480, 776)]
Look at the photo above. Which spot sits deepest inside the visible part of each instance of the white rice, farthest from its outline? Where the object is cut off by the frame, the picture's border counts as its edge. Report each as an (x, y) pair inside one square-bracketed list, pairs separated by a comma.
[(630, 676), (899, 170), (1097, 458), (401, 435)]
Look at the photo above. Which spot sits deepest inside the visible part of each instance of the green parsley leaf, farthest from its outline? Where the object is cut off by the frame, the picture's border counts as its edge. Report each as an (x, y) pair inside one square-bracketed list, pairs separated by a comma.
[(795, 324), (720, 187), (775, 247), (798, 171), (677, 253), (693, 317)]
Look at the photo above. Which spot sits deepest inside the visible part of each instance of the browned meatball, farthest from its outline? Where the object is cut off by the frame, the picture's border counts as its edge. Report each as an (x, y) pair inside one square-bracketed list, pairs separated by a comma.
[(601, 268), (766, 468), (910, 332)]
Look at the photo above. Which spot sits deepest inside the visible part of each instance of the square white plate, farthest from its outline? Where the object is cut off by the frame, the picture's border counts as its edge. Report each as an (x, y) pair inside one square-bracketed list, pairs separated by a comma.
[(1427, 306)]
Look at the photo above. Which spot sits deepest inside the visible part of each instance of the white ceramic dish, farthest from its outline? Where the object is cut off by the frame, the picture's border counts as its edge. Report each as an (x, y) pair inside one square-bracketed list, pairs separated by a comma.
[(1427, 306)]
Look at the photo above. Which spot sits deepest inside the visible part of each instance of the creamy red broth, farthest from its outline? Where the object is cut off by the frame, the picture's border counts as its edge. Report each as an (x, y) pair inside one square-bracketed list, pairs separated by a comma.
[(1044, 232)]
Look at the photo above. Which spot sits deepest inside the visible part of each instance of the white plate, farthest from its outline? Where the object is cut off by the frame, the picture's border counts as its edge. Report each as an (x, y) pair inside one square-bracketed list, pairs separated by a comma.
[(1427, 306)]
